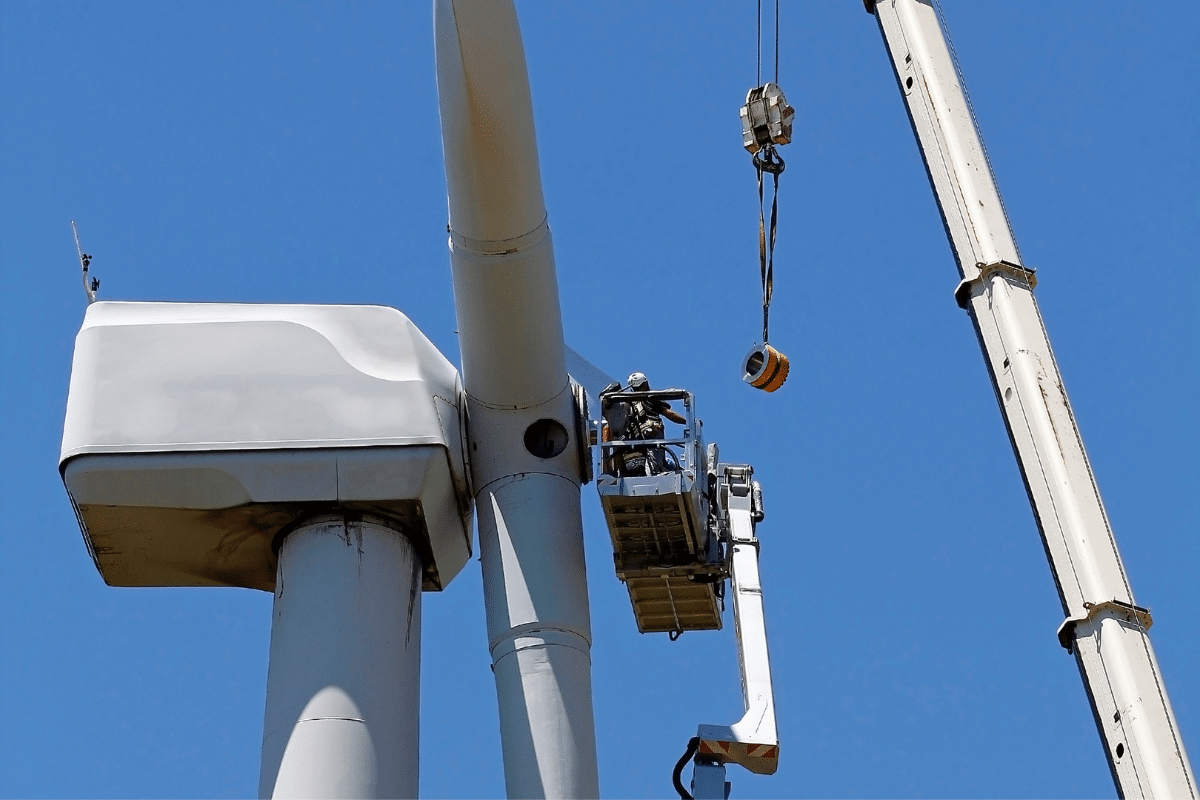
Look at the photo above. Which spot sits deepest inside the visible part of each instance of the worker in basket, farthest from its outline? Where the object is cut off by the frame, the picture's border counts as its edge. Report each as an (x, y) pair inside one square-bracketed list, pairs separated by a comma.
[(641, 420)]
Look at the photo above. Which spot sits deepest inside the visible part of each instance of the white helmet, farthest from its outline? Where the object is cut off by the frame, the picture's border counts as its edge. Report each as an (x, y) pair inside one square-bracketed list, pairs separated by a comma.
[(638, 381)]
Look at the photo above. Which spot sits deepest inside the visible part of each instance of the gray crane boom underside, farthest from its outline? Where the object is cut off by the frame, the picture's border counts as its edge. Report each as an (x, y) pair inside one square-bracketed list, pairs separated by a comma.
[(1105, 628)]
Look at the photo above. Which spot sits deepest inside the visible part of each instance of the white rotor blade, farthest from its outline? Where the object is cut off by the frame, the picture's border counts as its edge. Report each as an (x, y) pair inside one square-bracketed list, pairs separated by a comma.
[(589, 376)]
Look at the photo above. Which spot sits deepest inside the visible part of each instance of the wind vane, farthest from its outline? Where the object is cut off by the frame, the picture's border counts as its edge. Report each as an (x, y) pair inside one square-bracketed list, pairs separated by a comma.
[(90, 285)]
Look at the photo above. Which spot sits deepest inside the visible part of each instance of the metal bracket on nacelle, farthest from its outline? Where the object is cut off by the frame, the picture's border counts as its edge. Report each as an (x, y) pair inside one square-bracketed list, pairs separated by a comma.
[(752, 741)]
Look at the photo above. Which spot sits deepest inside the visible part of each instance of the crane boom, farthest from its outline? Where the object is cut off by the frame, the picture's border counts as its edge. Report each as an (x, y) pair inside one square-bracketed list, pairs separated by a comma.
[(1105, 628)]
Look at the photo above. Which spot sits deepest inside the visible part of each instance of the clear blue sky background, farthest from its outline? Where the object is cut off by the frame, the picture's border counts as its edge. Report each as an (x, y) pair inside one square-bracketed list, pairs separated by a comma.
[(269, 152)]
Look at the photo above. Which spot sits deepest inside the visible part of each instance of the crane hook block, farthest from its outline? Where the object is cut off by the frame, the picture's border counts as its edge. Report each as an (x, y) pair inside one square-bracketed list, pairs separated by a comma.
[(765, 368), (766, 118)]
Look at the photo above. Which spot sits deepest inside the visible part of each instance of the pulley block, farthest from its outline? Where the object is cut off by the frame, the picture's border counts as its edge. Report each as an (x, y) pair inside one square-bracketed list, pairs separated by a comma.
[(766, 118)]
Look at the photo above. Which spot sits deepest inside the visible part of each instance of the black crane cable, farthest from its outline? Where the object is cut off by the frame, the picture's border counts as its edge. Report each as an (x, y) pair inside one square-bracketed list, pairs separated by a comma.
[(758, 43), (677, 773)]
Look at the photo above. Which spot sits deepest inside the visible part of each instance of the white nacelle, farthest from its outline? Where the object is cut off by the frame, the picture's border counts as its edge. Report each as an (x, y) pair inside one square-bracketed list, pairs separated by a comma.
[(196, 434)]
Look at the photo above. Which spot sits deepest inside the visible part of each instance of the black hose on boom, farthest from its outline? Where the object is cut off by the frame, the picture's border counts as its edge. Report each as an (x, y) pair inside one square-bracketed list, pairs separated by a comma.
[(677, 773)]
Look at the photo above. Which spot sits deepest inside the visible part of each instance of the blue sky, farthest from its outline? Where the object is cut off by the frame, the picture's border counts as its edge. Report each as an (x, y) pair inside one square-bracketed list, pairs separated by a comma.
[(269, 152)]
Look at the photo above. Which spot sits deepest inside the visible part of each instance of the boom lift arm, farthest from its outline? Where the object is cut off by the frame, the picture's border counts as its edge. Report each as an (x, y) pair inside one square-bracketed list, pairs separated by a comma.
[(752, 741), (1105, 629)]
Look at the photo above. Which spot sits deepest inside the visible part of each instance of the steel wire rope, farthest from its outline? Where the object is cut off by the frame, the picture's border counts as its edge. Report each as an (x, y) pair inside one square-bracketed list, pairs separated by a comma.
[(777, 41), (758, 45)]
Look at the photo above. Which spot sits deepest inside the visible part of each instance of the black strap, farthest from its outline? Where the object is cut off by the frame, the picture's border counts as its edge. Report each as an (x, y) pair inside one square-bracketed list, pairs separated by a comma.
[(767, 160)]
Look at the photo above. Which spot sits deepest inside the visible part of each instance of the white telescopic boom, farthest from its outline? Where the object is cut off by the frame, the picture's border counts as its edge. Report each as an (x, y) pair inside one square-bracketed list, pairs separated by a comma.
[(524, 462), (1105, 628)]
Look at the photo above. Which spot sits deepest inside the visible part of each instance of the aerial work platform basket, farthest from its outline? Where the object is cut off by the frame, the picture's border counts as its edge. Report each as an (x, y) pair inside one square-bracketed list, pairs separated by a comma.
[(655, 498), (681, 524)]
